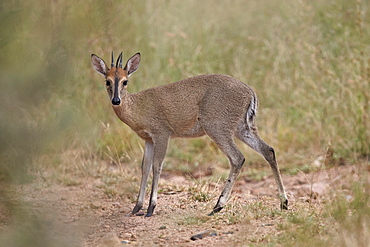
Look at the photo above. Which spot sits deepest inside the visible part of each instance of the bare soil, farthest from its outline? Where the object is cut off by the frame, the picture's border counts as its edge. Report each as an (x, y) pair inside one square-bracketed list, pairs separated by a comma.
[(84, 214)]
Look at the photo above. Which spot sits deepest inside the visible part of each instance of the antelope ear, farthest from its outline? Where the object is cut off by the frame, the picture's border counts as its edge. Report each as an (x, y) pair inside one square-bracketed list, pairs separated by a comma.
[(132, 64), (99, 64)]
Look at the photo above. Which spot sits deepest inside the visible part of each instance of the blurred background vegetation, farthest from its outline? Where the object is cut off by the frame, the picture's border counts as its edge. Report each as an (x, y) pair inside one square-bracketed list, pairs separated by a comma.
[(309, 62)]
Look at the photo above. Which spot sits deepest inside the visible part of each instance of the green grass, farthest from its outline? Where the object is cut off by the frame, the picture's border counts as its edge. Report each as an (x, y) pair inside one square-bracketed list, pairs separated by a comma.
[(307, 60), (308, 63), (343, 222)]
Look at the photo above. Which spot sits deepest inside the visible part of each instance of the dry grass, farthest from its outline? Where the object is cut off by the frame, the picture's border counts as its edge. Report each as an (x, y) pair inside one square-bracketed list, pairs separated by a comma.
[(307, 60)]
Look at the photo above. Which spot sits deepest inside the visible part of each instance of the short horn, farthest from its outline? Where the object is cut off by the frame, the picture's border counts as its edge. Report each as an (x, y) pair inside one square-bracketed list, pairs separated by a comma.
[(112, 64), (119, 61)]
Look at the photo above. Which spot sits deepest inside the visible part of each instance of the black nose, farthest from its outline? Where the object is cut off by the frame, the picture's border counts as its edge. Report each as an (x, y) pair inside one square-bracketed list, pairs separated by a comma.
[(116, 101)]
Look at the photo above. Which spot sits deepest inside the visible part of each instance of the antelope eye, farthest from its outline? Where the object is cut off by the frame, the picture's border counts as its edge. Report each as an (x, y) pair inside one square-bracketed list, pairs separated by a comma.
[(107, 83), (125, 82)]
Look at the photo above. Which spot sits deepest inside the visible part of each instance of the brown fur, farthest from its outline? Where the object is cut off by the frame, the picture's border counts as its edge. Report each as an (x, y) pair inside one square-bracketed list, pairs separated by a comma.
[(217, 105)]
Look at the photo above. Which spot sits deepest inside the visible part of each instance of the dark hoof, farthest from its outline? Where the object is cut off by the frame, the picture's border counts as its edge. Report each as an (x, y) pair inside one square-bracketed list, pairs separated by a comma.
[(215, 210), (136, 209), (284, 205), (148, 215), (150, 210)]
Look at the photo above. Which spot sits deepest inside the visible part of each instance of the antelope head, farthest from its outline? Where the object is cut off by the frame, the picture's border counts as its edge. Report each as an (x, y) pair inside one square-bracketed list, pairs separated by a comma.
[(116, 78)]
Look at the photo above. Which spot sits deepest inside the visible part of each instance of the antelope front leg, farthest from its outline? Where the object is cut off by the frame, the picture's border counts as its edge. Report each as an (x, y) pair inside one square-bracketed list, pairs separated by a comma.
[(160, 148), (145, 170)]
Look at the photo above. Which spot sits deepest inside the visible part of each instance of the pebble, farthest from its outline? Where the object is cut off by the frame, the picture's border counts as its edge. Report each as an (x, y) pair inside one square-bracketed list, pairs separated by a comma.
[(110, 239), (95, 205), (204, 234)]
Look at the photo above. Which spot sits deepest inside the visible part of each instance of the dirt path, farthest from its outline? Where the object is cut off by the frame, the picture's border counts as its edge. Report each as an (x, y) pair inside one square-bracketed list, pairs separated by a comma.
[(85, 214)]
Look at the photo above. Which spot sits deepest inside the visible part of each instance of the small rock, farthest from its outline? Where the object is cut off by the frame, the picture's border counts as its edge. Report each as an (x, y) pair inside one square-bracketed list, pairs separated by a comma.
[(133, 236), (159, 212), (349, 198), (141, 213), (319, 161), (162, 227), (267, 224), (110, 239), (204, 234), (95, 205)]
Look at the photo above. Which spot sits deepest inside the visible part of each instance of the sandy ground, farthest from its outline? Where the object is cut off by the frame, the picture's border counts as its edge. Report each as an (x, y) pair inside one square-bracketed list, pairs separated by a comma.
[(85, 216)]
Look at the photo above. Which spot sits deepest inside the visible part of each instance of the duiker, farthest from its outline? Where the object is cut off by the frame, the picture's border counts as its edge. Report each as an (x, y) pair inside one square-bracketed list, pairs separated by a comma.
[(219, 106)]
